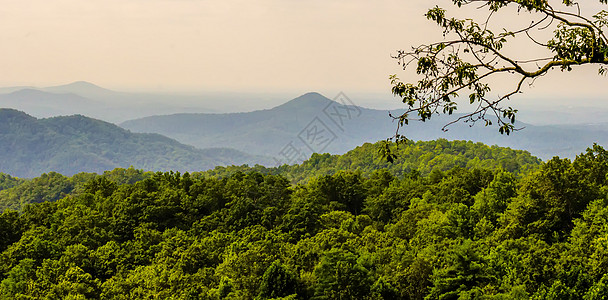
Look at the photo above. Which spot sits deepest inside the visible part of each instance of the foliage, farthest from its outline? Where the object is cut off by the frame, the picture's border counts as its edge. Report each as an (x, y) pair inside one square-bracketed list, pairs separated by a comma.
[(7, 181), (422, 157), (457, 233), (54, 186), (475, 54)]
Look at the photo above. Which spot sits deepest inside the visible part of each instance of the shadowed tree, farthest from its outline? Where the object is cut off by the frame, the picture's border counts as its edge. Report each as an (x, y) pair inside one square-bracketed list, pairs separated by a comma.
[(277, 282)]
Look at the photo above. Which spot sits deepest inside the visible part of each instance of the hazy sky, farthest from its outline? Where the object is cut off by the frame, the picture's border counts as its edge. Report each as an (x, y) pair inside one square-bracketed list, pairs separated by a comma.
[(242, 45)]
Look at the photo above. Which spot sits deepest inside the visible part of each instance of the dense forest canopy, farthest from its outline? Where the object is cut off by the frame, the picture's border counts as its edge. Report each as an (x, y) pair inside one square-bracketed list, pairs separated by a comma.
[(465, 232), (422, 156)]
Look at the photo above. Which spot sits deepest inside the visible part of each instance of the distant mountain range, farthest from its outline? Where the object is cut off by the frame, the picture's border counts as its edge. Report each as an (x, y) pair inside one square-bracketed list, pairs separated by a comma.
[(307, 124), (82, 88), (290, 132), (94, 101), (73, 144), (314, 123), (45, 104)]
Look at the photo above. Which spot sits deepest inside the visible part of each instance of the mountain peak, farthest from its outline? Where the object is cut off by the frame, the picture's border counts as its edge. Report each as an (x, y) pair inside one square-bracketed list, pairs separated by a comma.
[(82, 88), (82, 84), (27, 92), (311, 94), (77, 85), (308, 100)]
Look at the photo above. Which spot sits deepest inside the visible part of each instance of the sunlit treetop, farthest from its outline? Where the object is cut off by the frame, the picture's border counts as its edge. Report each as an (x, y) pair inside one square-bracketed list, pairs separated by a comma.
[(471, 56)]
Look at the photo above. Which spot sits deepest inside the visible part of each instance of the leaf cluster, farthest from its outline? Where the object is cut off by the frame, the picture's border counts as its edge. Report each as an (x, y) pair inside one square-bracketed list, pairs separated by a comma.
[(463, 65)]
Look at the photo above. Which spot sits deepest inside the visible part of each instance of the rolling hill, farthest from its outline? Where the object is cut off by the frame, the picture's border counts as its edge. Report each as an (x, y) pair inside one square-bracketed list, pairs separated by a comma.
[(292, 131), (91, 100), (45, 104), (73, 144), (314, 123), (271, 131), (423, 157), (116, 106)]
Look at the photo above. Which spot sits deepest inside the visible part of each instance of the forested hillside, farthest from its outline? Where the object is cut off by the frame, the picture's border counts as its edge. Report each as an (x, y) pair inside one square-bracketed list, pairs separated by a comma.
[(73, 144), (16, 193), (463, 233), (423, 157), (419, 157)]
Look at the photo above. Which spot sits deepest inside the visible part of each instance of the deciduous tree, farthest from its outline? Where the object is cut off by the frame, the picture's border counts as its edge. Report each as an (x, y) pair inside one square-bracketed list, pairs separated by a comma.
[(474, 52)]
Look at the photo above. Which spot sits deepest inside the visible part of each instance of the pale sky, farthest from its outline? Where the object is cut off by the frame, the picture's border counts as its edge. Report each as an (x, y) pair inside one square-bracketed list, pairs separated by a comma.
[(215, 45)]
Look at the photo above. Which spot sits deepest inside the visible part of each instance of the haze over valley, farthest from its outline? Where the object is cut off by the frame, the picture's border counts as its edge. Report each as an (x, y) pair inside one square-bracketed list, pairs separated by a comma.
[(280, 134)]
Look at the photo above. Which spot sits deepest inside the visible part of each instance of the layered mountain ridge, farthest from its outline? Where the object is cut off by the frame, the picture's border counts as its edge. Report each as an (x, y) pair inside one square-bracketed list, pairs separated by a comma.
[(346, 126), (73, 144)]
